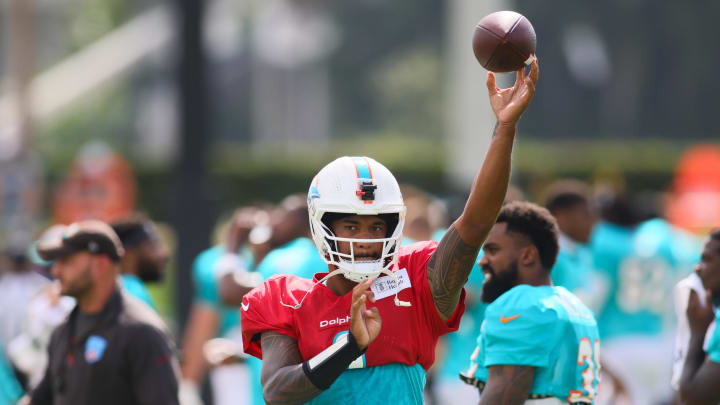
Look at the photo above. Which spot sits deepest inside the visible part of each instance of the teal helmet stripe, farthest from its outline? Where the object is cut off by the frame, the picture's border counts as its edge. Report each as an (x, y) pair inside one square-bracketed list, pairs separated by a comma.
[(363, 168)]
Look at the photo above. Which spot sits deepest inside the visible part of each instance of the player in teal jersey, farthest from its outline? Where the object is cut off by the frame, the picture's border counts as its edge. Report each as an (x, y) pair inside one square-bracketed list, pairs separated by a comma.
[(537, 341), (145, 256), (210, 318), (296, 255), (700, 380), (641, 264), (569, 202)]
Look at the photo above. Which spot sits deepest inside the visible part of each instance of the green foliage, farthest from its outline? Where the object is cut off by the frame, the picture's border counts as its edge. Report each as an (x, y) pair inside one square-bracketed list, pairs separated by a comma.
[(93, 19), (104, 116), (408, 88)]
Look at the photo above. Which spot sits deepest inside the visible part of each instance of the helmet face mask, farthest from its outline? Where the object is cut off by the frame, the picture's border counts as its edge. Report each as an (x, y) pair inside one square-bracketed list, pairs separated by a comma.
[(345, 259), (355, 186)]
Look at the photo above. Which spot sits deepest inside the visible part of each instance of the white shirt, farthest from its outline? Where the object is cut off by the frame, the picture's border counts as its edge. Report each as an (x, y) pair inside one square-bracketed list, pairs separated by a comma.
[(16, 291), (681, 295)]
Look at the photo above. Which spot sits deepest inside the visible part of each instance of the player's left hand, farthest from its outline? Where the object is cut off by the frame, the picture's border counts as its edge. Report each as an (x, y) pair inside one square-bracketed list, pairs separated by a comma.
[(509, 104), (699, 316)]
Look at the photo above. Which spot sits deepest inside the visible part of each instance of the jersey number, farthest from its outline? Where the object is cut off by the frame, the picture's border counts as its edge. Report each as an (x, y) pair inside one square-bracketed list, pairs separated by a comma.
[(588, 355), (643, 285)]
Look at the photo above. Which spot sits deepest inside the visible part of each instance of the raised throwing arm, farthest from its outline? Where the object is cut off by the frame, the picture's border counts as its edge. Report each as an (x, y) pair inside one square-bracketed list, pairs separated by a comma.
[(450, 265)]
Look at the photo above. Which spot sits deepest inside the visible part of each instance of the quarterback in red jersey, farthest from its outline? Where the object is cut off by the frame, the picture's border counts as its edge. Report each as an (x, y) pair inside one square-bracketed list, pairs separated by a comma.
[(365, 329)]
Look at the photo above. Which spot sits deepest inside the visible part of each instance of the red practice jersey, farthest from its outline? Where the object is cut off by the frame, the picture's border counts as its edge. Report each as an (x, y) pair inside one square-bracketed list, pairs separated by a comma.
[(408, 334)]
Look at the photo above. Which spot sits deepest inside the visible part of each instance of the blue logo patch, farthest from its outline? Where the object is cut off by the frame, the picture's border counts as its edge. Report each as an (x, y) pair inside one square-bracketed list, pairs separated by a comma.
[(94, 348)]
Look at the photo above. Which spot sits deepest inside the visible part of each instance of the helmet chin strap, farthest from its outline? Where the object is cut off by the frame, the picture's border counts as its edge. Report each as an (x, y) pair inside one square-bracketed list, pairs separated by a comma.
[(398, 301), (371, 272), (299, 304)]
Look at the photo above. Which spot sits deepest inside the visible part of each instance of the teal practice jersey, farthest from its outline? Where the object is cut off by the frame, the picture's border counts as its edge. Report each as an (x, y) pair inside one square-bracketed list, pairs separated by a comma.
[(205, 279), (355, 386), (133, 285), (575, 270), (641, 266), (298, 257), (713, 350), (547, 328), (573, 266)]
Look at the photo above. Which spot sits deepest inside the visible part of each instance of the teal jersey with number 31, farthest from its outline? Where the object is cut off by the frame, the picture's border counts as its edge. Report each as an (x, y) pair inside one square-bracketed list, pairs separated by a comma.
[(547, 328)]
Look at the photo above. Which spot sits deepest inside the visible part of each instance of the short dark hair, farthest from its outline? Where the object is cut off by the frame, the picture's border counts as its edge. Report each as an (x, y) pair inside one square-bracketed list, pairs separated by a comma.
[(134, 229), (537, 224), (565, 194), (715, 234), (618, 208)]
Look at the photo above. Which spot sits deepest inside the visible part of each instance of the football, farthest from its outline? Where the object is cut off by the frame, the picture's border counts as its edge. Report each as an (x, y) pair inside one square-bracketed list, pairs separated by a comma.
[(504, 41)]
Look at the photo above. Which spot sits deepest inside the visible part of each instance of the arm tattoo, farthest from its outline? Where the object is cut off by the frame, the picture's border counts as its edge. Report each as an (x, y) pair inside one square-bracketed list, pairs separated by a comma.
[(282, 377), (508, 385), (448, 271), (495, 129)]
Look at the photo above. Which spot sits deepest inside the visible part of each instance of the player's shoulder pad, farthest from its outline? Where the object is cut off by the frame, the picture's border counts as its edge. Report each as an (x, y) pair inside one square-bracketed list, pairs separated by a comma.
[(524, 300), (279, 286), (418, 250), (415, 257), (427, 247)]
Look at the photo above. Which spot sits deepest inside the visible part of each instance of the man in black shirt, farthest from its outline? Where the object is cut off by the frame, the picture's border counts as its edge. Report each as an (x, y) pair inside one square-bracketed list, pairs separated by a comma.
[(112, 349)]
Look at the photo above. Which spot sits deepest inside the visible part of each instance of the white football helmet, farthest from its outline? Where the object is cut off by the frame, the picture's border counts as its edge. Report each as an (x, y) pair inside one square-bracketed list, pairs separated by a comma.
[(356, 186)]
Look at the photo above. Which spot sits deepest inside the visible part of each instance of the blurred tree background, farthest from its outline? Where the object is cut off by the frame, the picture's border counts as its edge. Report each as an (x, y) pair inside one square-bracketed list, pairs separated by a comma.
[(615, 71), (625, 87)]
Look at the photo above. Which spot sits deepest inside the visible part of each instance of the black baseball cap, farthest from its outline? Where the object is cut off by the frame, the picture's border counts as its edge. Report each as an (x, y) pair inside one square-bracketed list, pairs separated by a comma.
[(91, 236)]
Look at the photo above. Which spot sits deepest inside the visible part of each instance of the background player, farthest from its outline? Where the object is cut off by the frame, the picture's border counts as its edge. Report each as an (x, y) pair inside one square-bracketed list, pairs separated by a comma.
[(700, 380), (537, 341), (641, 261), (146, 256), (569, 201), (298, 326), (211, 318), (295, 253)]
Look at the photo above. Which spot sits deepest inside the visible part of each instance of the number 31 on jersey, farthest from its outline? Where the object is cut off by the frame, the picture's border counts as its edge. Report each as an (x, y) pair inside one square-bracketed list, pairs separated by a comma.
[(588, 355)]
